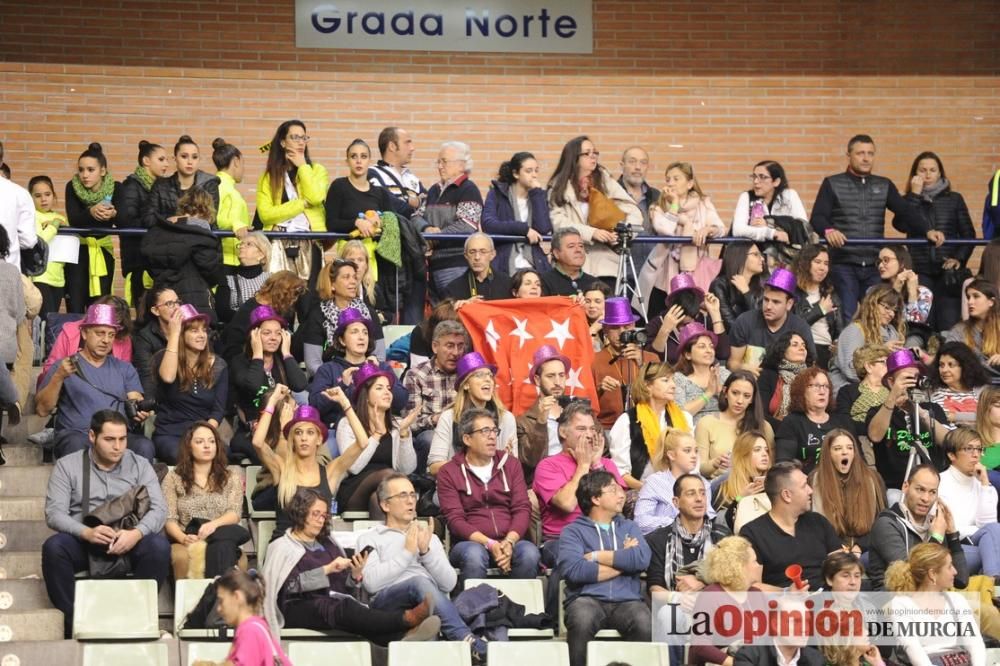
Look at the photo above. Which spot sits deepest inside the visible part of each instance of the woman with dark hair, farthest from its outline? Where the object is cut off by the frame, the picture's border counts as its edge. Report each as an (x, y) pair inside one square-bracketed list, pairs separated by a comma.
[(816, 301), (810, 417), (740, 410), (697, 375), (526, 283), (516, 206), (353, 345), (895, 267), (131, 201), (283, 292), (89, 197), (313, 582), (846, 491), (740, 285), (878, 321), (232, 214), (241, 604), (989, 270), (686, 303), (958, 378), (181, 251), (166, 193), (769, 197), (159, 304), (981, 331), (783, 361), (584, 196), (291, 197), (51, 284), (204, 501), (944, 216), (193, 382), (351, 196)]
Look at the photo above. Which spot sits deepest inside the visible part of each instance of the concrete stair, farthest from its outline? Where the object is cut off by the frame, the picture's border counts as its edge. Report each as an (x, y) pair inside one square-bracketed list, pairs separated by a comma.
[(41, 653)]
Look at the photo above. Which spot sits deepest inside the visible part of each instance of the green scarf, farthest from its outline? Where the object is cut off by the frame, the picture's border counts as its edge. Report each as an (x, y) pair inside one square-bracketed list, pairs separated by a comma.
[(389, 245), (145, 178), (91, 198)]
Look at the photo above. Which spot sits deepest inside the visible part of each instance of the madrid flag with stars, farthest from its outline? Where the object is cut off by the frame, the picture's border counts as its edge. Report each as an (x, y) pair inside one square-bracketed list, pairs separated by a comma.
[(508, 332)]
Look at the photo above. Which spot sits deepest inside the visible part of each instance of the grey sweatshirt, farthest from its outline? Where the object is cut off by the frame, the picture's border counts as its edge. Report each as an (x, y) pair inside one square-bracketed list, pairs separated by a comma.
[(390, 563)]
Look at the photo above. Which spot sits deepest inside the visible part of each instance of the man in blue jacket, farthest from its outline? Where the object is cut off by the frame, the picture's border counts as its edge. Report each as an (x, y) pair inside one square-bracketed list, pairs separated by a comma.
[(601, 555)]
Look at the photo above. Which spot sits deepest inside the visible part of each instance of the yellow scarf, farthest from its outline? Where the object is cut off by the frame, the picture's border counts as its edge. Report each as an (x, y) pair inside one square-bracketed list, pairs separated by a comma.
[(98, 267), (650, 423)]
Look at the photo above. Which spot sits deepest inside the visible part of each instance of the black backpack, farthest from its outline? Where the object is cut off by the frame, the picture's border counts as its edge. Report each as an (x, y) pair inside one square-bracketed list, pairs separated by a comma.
[(205, 614)]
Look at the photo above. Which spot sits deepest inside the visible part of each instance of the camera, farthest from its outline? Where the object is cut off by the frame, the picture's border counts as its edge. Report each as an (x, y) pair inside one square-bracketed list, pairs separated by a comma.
[(133, 407), (625, 234), (633, 337)]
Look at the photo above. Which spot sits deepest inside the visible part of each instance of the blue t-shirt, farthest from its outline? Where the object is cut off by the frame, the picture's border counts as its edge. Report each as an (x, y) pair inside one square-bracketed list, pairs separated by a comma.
[(79, 400)]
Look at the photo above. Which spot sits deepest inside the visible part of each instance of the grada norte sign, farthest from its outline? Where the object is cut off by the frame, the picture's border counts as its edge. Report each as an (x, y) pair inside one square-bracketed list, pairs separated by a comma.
[(518, 26)]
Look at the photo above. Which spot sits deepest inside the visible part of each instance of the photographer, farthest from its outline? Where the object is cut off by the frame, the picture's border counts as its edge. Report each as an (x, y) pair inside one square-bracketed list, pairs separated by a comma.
[(89, 381), (617, 365), (890, 425)]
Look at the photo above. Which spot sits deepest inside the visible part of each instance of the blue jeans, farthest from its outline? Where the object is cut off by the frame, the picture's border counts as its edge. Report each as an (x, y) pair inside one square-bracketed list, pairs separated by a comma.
[(852, 282), (984, 556), (472, 559), (442, 277), (410, 592), (422, 446)]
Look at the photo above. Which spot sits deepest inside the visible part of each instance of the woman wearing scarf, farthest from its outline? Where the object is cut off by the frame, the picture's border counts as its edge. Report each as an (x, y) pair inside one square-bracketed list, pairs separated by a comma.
[(784, 359), (944, 216), (130, 200), (633, 438), (89, 197)]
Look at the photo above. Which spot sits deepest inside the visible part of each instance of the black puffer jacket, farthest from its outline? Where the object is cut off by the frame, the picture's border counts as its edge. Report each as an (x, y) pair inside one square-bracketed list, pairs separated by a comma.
[(812, 313), (131, 199), (732, 302), (946, 213), (187, 258), (166, 192)]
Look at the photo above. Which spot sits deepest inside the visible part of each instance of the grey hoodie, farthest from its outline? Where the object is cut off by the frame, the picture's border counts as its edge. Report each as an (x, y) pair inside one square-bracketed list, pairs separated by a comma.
[(892, 539), (390, 563)]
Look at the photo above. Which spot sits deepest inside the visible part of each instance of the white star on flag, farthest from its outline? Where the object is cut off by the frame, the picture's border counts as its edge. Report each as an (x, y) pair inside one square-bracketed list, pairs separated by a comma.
[(560, 333), (521, 331), (528, 380), (573, 381), (492, 337)]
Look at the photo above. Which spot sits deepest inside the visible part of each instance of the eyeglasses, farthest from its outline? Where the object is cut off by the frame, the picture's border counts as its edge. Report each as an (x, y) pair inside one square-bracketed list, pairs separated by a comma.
[(886, 260), (974, 450), (756, 176), (170, 304), (614, 490), (318, 514), (404, 496), (819, 387), (755, 253), (487, 431), (299, 138), (479, 253), (592, 153), (440, 161)]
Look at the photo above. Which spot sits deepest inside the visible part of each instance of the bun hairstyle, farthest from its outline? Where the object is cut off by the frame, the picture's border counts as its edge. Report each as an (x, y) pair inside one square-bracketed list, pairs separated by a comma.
[(184, 140), (909, 574), (146, 149), (507, 170), (94, 151), (224, 153)]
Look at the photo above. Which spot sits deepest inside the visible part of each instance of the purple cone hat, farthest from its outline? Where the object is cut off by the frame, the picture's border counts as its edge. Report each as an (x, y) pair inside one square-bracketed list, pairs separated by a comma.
[(350, 316), (263, 313), (367, 373), (543, 355), (901, 359), (618, 312), (685, 282), (101, 315), (189, 313), (470, 363), (782, 279), (306, 414), (691, 332)]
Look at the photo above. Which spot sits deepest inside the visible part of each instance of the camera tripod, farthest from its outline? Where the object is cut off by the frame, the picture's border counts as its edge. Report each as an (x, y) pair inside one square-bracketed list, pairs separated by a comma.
[(627, 280)]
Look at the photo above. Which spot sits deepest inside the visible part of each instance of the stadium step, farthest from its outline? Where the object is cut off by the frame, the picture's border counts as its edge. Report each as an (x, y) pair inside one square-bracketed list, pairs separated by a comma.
[(24, 480), (40, 652), (22, 509), (22, 455), (17, 596), (23, 535), (44, 624), (20, 564)]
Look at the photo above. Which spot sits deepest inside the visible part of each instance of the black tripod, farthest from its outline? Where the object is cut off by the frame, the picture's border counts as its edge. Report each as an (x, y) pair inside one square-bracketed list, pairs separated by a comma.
[(627, 280)]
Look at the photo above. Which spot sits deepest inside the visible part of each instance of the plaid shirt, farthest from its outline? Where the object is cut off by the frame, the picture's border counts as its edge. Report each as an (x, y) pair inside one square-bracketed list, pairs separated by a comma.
[(436, 389)]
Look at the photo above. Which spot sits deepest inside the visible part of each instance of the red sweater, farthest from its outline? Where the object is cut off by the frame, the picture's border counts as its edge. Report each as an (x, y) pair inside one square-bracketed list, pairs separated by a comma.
[(496, 508)]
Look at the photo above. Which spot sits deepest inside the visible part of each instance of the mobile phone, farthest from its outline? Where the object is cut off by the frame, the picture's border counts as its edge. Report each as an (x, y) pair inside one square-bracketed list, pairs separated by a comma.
[(366, 550)]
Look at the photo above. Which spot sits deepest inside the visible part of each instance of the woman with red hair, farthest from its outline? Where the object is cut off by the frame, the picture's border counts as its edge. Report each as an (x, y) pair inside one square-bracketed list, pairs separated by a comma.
[(809, 419)]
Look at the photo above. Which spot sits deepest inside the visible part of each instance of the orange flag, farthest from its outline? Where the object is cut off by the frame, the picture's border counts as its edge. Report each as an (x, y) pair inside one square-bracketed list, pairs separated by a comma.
[(508, 332)]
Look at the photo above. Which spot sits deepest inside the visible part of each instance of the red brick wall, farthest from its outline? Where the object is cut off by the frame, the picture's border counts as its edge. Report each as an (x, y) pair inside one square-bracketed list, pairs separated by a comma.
[(731, 81)]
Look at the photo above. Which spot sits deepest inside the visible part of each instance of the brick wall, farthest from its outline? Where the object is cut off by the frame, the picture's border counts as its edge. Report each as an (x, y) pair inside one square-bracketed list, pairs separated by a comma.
[(722, 84)]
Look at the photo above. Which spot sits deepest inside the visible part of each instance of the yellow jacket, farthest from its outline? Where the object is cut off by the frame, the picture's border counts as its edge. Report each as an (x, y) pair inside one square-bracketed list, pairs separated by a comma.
[(54, 275), (311, 183), (233, 215)]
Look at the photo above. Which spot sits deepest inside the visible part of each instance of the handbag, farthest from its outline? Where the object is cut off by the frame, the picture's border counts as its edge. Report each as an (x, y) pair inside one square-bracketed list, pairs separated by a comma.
[(123, 512), (952, 280), (603, 213), (35, 259), (749, 509)]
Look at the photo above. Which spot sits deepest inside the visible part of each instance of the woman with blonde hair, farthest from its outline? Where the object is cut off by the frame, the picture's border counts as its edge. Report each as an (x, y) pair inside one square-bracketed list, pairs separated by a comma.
[(880, 320), (676, 454), (683, 210), (845, 490), (752, 457), (929, 569), (634, 436), (988, 427), (981, 329)]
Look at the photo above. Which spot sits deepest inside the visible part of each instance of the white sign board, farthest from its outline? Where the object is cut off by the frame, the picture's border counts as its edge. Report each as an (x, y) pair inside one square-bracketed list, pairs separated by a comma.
[(514, 26)]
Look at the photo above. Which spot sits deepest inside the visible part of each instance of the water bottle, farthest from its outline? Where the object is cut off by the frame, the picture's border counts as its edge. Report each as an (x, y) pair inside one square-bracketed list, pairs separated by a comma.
[(333, 506), (757, 210)]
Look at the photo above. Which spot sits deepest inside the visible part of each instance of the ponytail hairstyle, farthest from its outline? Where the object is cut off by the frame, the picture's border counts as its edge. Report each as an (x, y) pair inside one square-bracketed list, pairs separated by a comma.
[(507, 171), (358, 142), (277, 163), (909, 574), (94, 151), (146, 149), (149, 299), (250, 583), (183, 140), (224, 153)]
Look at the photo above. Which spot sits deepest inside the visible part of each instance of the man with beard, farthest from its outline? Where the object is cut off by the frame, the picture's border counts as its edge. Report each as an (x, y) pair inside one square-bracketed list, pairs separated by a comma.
[(635, 165), (537, 428)]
